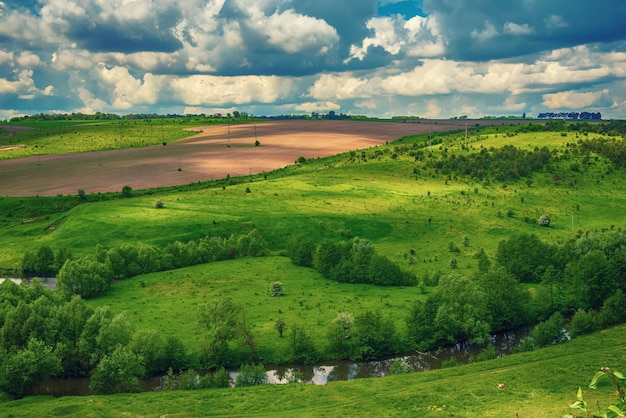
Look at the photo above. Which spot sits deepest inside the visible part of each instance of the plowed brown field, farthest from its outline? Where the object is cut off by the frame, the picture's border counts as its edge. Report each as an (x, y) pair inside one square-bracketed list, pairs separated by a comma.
[(204, 156)]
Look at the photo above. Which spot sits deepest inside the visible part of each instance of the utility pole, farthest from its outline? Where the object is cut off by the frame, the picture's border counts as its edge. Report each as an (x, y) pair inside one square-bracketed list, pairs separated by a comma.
[(430, 135), (466, 134)]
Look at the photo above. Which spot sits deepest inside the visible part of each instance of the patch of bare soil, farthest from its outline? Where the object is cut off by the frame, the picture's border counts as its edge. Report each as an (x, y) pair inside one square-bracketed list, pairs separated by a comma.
[(11, 129), (214, 153)]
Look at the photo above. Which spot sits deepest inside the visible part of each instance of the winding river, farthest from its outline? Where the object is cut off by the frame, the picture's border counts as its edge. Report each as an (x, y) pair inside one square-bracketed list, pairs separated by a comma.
[(326, 371)]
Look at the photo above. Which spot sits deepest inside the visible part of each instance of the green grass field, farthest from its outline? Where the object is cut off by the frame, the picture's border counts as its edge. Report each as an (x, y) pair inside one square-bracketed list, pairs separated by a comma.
[(171, 300), (60, 137)]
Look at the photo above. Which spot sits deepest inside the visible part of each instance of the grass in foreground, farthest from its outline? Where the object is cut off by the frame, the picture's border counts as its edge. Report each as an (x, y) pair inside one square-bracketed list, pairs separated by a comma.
[(538, 384)]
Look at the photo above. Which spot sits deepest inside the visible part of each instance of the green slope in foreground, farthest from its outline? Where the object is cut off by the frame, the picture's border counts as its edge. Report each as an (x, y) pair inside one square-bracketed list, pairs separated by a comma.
[(542, 383)]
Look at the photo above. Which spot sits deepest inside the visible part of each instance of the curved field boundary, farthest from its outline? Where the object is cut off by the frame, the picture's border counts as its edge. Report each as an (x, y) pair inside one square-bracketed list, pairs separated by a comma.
[(214, 153)]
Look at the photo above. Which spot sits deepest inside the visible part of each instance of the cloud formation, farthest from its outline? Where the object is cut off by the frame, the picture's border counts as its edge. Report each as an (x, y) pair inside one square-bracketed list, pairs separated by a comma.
[(431, 58)]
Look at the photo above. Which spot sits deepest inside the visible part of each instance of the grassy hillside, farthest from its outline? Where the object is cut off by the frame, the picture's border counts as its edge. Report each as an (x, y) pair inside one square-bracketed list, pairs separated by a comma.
[(538, 384), (374, 194), (398, 196)]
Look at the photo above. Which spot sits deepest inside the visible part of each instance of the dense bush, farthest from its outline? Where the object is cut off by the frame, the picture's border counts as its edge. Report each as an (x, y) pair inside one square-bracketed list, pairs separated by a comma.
[(251, 375), (43, 263), (551, 331), (356, 261), (303, 349), (301, 250), (501, 164), (117, 373), (525, 256), (374, 336), (582, 323)]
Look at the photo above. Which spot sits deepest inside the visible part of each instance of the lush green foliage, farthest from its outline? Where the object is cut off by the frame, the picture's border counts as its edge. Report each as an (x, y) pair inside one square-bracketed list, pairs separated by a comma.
[(44, 335), (605, 377), (190, 380), (356, 261), (222, 321), (541, 384), (251, 375), (118, 372)]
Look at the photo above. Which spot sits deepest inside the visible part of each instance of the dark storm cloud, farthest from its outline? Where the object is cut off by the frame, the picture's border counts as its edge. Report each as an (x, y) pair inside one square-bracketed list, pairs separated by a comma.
[(347, 18), (102, 31), (495, 29)]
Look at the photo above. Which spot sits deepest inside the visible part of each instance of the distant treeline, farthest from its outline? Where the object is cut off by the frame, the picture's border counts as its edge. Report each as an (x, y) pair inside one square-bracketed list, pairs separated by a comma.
[(570, 115), (113, 116)]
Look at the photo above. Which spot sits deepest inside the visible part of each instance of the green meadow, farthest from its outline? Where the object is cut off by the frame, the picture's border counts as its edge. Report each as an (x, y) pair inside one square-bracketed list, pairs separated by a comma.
[(412, 213), (73, 136), (170, 300)]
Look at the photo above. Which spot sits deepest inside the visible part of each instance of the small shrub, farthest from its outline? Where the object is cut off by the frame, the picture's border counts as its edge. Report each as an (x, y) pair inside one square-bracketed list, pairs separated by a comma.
[(276, 289), (399, 366), (81, 194), (453, 263), (582, 323), (446, 364), (544, 220), (251, 375), (280, 325), (159, 204), (127, 191), (188, 380), (550, 331), (605, 377), (302, 347), (219, 379)]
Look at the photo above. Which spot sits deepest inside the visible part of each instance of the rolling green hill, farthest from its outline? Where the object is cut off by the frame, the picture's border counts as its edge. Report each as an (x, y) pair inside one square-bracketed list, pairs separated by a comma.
[(421, 207)]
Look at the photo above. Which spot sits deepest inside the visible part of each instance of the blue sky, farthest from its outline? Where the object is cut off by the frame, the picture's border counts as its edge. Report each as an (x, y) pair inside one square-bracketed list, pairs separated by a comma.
[(429, 58)]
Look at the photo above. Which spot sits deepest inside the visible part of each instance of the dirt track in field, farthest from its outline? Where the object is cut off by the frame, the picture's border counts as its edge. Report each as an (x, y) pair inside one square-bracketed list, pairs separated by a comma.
[(203, 156)]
